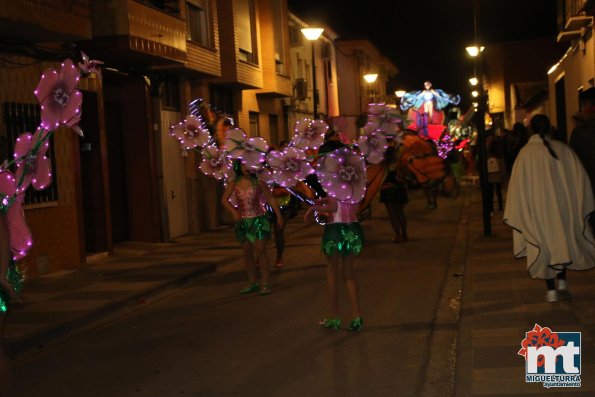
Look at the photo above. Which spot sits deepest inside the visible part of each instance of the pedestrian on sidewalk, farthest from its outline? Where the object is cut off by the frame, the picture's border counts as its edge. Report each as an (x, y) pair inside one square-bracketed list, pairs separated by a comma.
[(393, 193), (252, 227), (582, 139), (342, 239), (497, 174), (549, 201)]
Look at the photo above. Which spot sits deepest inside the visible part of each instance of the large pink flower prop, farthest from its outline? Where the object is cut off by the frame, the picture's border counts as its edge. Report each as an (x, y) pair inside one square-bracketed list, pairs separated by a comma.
[(373, 146), (33, 167), (190, 133), (20, 235), (251, 151), (309, 134), (215, 162), (342, 174), (59, 99), (289, 166)]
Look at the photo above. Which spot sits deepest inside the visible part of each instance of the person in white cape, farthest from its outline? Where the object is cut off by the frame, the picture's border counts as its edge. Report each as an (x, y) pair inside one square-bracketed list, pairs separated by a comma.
[(549, 201)]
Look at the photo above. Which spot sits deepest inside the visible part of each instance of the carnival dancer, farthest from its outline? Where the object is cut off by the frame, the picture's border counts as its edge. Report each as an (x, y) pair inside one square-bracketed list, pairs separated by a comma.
[(252, 227), (549, 201), (393, 194), (343, 175)]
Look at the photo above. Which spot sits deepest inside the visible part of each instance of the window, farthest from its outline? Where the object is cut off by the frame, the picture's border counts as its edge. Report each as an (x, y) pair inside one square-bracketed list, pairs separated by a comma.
[(295, 36), (197, 19), (254, 127), (278, 19), (171, 94), (247, 30), (221, 99), (20, 118)]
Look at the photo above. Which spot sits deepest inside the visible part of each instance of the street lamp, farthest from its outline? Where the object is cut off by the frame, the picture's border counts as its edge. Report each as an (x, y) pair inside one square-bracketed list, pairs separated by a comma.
[(474, 94), (312, 34), (400, 93), (371, 79), (473, 81), (474, 50)]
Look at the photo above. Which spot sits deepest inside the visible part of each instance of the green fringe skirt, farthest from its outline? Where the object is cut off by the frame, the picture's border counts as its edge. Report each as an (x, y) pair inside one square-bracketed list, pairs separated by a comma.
[(342, 238), (15, 279), (251, 229)]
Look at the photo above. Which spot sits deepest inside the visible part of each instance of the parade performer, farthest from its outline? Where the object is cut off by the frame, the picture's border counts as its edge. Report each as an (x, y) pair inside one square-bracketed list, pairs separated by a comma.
[(393, 194), (425, 102), (61, 101), (342, 173)]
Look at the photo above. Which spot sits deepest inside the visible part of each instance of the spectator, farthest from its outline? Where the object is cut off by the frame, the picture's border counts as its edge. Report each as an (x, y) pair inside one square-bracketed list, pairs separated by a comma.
[(582, 139), (497, 174), (549, 200)]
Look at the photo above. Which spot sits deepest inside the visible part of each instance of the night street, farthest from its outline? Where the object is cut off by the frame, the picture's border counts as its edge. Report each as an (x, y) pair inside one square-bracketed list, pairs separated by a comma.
[(207, 340)]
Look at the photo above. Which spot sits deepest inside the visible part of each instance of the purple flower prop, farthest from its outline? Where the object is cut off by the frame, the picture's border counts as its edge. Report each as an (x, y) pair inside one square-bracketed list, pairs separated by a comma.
[(309, 134), (21, 240), (342, 174), (373, 146), (33, 167), (190, 133), (89, 66), (59, 98), (382, 118), (289, 166), (251, 151), (215, 162)]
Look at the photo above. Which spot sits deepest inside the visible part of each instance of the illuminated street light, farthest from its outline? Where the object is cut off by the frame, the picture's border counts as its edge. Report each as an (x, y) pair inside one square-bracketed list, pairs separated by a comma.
[(312, 34), (473, 81), (475, 105), (400, 93), (475, 94), (371, 77), (474, 50)]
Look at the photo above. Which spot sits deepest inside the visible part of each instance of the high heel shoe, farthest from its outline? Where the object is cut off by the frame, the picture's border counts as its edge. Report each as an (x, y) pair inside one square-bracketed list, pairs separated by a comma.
[(249, 289), (356, 324), (334, 323)]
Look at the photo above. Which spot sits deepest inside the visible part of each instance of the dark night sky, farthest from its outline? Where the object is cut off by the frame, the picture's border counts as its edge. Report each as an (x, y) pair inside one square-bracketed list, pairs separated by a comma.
[(426, 39)]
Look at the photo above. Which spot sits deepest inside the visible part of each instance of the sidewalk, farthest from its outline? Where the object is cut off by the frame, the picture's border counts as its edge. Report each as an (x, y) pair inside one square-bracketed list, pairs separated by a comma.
[(500, 303), (56, 305)]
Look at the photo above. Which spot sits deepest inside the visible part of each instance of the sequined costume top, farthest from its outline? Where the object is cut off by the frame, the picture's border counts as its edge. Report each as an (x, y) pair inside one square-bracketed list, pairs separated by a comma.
[(346, 213), (249, 202)]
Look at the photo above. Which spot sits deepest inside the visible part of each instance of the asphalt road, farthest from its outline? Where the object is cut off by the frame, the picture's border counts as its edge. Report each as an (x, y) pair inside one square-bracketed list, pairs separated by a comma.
[(207, 340)]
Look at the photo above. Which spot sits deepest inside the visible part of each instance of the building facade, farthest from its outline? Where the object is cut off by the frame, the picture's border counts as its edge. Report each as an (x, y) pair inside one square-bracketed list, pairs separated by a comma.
[(574, 72)]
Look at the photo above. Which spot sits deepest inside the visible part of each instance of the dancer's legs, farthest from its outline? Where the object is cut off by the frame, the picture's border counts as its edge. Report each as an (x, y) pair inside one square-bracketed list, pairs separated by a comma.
[(331, 283), (402, 220), (263, 259), (249, 264), (393, 216), (351, 284)]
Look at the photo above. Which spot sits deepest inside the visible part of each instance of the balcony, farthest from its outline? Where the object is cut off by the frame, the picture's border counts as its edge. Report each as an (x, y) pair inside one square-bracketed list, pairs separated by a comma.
[(137, 32), (45, 20)]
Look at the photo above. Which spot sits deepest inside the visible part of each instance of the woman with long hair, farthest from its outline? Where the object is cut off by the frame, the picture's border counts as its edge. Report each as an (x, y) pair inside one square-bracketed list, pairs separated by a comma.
[(549, 201)]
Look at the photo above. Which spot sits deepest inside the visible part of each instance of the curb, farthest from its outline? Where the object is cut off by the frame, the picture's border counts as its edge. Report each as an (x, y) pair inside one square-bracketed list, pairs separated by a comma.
[(438, 379), (34, 343), (40, 340)]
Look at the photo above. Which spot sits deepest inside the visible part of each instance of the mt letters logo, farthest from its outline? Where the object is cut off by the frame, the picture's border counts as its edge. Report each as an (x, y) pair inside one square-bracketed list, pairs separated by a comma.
[(552, 358)]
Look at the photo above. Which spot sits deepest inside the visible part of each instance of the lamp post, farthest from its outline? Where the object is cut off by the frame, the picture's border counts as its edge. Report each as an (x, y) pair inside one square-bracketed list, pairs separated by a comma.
[(312, 34), (479, 96), (371, 79)]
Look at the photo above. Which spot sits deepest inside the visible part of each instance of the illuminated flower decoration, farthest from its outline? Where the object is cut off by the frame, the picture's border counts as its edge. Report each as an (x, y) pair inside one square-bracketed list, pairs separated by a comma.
[(309, 134), (539, 337), (377, 109), (373, 146), (190, 133), (251, 151), (33, 167), (20, 235), (265, 175), (59, 98), (89, 66), (289, 166), (215, 162), (342, 174)]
